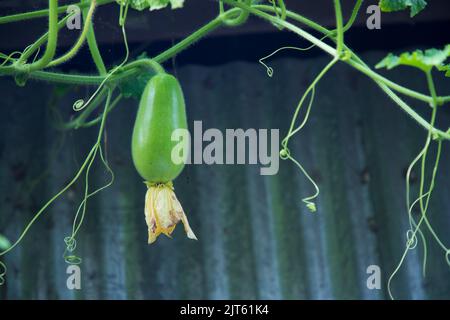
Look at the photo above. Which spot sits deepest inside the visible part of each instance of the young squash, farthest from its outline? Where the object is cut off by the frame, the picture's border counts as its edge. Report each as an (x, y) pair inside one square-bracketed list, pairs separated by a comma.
[(161, 111)]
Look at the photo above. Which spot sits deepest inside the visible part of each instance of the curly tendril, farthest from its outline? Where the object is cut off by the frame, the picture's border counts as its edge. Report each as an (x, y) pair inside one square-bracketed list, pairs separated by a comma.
[(308, 201), (3, 270), (78, 220), (285, 153), (424, 197), (7, 58), (70, 241), (270, 69), (71, 245), (80, 104), (235, 21), (411, 239)]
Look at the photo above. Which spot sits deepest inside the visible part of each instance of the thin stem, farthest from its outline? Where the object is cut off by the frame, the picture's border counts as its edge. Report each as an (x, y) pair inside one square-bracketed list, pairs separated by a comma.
[(76, 227), (51, 40), (339, 27), (381, 81), (80, 119), (399, 88), (72, 52), (216, 23), (212, 25), (76, 79), (236, 21), (356, 62), (99, 118), (353, 16), (86, 163), (293, 131), (40, 42), (191, 39), (423, 206), (93, 47), (325, 47), (151, 64), (43, 13), (361, 67), (47, 204)]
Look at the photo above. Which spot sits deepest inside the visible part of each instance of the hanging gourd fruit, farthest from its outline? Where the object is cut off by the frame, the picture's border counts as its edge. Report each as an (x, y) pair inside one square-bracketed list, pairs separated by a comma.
[(161, 111)]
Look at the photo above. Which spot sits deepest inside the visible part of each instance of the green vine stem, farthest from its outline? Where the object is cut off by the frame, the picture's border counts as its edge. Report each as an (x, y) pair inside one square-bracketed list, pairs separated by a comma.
[(73, 51), (194, 37), (412, 240), (328, 49), (70, 241), (149, 64), (80, 119), (285, 152), (40, 42), (292, 130), (87, 163), (353, 16), (339, 28), (424, 207), (93, 46), (277, 15), (212, 25), (44, 12), (372, 74), (99, 118), (234, 21), (51, 41), (384, 83)]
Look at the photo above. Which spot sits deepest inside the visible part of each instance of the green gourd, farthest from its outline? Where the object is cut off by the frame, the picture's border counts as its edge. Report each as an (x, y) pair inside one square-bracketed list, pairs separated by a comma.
[(161, 111)]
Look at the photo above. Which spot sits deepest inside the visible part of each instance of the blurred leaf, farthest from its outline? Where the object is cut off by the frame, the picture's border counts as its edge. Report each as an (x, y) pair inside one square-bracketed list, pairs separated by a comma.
[(152, 4), (424, 60), (133, 87), (4, 243), (446, 69), (397, 5)]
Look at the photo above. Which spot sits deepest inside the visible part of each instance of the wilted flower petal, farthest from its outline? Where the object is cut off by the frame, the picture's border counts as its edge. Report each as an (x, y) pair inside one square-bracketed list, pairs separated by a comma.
[(163, 211)]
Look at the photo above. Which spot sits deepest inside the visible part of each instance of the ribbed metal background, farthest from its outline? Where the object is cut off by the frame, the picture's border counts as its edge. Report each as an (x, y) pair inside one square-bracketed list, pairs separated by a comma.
[(256, 239)]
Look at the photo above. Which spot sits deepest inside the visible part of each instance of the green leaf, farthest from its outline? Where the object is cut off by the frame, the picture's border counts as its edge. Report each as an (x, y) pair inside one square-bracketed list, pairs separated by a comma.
[(397, 5), (446, 69), (424, 60), (4, 243), (152, 4), (133, 87)]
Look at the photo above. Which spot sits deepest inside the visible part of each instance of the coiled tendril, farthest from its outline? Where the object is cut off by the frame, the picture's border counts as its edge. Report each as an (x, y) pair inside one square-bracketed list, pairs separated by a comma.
[(2, 273), (411, 239), (235, 21), (71, 245), (310, 91)]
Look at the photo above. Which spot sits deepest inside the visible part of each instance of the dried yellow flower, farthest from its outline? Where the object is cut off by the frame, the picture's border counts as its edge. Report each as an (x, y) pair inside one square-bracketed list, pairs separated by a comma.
[(163, 211)]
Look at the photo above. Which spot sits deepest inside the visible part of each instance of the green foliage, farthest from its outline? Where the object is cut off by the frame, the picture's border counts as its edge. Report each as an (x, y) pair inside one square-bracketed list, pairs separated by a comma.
[(4, 243), (424, 60), (445, 68), (152, 4), (133, 87), (397, 5)]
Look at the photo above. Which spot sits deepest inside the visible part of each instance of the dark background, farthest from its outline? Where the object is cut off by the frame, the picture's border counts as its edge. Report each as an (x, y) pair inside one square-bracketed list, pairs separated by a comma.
[(256, 240)]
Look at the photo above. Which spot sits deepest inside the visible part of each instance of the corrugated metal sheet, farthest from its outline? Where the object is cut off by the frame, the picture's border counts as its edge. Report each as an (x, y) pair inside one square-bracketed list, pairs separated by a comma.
[(256, 239)]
